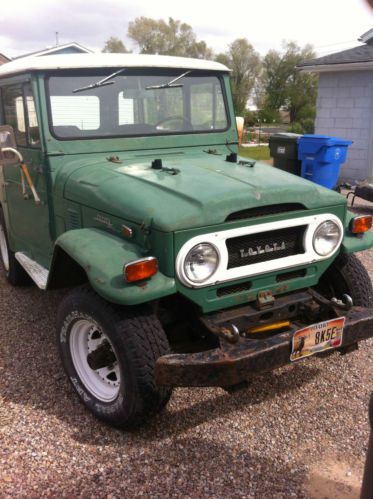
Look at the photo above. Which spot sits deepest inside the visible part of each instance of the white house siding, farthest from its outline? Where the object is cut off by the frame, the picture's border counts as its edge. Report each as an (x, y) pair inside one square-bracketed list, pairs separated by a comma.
[(345, 109)]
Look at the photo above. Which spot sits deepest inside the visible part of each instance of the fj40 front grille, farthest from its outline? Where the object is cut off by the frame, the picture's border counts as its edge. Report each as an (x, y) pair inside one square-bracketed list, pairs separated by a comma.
[(256, 248)]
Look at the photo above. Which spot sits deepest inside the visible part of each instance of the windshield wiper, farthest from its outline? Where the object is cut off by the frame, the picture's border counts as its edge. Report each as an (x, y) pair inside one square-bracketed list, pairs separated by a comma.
[(100, 83), (170, 84)]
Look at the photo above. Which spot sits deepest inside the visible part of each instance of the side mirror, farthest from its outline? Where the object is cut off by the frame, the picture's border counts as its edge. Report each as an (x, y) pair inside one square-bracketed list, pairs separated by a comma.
[(8, 150)]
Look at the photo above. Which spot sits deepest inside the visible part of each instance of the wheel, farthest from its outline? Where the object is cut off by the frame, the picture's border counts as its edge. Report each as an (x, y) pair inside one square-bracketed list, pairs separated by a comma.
[(109, 355), (14, 272), (348, 275)]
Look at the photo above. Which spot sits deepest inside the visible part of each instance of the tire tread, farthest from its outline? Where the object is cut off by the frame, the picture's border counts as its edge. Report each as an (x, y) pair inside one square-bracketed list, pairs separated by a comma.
[(357, 279), (142, 335)]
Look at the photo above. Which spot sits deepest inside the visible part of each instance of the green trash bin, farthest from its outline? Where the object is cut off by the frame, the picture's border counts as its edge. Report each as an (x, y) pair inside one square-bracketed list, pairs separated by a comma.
[(284, 151)]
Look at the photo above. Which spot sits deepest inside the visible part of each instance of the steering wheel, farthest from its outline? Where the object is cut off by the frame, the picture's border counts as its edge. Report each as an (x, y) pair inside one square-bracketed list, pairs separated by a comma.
[(183, 119)]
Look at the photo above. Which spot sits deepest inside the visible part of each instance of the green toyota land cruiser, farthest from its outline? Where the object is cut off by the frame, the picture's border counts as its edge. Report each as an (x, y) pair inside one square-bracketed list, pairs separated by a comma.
[(188, 266)]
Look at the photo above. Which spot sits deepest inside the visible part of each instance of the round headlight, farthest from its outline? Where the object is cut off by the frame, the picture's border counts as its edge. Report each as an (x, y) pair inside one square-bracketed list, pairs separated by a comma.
[(326, 238), (201, 262)]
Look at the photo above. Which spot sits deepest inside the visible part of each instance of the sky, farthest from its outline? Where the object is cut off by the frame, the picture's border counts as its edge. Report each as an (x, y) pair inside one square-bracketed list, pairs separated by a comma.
[(329, 25)]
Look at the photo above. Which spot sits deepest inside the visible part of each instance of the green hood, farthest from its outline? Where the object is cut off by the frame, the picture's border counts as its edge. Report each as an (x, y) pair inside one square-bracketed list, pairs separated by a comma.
[(204, 191)]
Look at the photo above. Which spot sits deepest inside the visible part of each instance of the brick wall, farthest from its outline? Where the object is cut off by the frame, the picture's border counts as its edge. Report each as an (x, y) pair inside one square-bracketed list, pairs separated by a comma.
[(345, 109)]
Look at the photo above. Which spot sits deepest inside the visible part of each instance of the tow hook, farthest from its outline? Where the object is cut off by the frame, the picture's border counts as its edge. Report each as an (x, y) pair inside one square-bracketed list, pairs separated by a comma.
[(229, 333), (345, 304)]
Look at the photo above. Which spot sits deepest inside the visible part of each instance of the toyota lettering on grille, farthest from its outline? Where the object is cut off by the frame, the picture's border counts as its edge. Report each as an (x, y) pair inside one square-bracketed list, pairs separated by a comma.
[(259, 250)]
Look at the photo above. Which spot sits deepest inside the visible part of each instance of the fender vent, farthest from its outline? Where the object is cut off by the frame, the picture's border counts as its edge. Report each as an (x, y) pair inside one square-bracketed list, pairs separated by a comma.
[(73, 220)]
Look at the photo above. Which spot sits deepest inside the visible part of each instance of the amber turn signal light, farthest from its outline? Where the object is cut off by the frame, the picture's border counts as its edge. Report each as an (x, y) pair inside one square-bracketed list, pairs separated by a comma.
[(361, 224), (140, 269)]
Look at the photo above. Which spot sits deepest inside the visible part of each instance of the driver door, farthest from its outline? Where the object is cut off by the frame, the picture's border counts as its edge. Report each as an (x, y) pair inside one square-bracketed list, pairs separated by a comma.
[(28, 221)]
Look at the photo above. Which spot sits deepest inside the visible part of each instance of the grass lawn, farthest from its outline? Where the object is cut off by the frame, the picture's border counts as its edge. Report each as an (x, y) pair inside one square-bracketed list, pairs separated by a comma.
[(259, 152)]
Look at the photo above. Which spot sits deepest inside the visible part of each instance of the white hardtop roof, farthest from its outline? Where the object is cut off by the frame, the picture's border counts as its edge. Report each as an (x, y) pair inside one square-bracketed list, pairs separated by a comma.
[(76, 61)]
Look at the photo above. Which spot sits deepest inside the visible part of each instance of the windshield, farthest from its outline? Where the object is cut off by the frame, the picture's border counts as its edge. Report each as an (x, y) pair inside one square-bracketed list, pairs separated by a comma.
[(135, 103)]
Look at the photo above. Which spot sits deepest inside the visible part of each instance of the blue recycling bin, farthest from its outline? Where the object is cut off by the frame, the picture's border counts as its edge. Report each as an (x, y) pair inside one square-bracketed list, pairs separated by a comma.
[(322, 157)]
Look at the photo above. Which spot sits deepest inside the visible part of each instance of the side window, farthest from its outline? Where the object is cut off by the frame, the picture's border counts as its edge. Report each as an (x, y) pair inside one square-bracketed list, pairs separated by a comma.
[(33, 134), (14, 113), (22, 119)]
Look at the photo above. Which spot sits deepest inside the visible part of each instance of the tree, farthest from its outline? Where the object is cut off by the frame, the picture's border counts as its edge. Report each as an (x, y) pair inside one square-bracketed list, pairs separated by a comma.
[(284, 85), (115, 45), (154, 36), (274, 80), (245, 64)]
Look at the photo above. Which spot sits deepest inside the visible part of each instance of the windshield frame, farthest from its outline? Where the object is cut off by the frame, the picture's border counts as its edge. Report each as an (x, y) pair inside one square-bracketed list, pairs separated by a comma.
[(144, 71)]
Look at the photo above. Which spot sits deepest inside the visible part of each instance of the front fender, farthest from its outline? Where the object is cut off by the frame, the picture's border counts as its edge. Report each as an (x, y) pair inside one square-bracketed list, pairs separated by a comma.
[(102, 256), (352, 243)]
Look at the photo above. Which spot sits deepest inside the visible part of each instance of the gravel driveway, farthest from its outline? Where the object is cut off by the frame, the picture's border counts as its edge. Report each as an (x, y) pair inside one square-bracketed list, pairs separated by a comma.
[(300, 431)]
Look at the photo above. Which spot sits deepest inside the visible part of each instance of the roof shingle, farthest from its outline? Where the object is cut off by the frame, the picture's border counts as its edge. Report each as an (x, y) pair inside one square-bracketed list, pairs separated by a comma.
[(362, 53)]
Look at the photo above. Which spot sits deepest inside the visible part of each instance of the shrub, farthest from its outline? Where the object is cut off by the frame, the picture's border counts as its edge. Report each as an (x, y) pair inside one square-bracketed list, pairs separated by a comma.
[(305, 126), (250, 118), (296, 127), (269, 116), (308, 125), (307, 112)]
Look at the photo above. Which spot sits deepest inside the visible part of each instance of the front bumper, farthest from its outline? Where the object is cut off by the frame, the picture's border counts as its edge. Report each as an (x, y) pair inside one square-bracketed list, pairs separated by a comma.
[(232, 364)]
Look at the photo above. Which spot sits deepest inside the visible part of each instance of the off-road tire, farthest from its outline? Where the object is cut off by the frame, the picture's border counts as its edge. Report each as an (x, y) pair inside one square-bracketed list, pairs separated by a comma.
[(14, 272), (348, 275), (137, 338)]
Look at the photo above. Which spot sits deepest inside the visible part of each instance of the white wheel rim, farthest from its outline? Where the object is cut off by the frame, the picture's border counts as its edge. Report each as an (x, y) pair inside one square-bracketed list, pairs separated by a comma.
[(4, 249), (103, 383)]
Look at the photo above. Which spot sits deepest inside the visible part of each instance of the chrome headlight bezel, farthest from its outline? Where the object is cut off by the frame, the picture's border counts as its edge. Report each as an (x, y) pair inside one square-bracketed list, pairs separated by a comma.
[(331, 238), (199, 251)]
